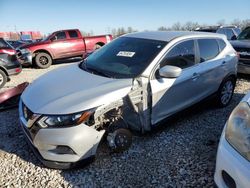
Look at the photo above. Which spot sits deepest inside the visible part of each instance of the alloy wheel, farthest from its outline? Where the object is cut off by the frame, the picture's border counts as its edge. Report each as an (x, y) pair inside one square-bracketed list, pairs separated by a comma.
[(227, 92), (43, 60), (1, 79)]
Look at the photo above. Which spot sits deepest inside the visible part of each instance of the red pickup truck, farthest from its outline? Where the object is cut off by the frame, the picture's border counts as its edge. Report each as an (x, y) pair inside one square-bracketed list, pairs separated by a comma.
[(59, 45)]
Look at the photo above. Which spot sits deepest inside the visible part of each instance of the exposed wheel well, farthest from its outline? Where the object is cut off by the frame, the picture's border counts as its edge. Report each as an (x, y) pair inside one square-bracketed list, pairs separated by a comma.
[(227, 77), (4, 70), (44, 51), (231, 76), (100, 43)]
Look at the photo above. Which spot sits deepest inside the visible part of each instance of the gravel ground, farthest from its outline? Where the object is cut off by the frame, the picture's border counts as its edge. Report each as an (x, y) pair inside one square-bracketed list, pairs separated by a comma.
[(180, 153)]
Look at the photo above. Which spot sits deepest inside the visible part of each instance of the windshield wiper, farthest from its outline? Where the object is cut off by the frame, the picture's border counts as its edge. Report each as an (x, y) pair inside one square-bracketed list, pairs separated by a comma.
[(83, 65), (98, 72), (95, 71)]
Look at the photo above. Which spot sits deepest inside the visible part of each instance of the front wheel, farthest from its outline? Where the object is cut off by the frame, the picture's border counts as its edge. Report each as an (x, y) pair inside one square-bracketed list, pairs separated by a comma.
[(3, 79), (120, 140), (225, 92), (43, 60)]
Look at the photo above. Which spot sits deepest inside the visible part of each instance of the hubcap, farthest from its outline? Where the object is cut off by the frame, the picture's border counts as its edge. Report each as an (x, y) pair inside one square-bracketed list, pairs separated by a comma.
[(1, 79), (43, 60), (226, 92), (121, 140)]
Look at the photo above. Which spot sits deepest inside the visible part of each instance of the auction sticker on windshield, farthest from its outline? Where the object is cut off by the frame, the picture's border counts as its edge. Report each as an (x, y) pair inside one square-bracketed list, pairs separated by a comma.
[(126, 54)]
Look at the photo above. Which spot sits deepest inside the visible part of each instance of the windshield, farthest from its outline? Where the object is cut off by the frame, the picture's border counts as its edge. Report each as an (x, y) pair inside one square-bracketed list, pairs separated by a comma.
[(123, 58), (245, 34), (4, 44), (26, 37)]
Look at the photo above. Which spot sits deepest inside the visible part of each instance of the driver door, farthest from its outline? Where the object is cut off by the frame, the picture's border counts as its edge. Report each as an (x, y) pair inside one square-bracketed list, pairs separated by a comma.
[(170, 95), (60, 45)]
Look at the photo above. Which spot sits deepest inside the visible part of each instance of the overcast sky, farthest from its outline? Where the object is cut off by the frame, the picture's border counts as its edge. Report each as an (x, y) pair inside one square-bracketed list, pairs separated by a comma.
[(100, 16)]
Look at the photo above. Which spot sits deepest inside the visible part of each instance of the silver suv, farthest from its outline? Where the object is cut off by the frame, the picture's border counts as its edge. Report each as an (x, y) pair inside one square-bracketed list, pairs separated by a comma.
[(128, 85)]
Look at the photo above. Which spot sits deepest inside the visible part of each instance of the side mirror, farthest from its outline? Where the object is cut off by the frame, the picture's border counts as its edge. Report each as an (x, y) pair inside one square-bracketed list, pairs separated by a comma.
[(169, 71), (233, 37)]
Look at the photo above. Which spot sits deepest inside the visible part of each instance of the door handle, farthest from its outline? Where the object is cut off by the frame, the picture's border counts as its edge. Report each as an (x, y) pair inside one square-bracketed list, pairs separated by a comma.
[(195, 76)]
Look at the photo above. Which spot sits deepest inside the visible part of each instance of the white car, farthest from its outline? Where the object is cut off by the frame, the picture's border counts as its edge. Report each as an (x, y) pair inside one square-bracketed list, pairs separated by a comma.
[(130, 84), (233, 156)]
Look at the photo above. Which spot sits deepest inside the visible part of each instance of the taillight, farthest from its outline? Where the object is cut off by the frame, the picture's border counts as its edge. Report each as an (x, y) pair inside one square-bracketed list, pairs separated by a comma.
[(17, 70)]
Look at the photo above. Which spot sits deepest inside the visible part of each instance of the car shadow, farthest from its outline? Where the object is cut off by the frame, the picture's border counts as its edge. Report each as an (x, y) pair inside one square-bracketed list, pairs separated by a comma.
[(57, 62), (70, 60)]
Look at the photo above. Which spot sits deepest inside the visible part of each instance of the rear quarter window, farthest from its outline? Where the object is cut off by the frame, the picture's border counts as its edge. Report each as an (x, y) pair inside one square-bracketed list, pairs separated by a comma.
[(208, 48), (221, 43)]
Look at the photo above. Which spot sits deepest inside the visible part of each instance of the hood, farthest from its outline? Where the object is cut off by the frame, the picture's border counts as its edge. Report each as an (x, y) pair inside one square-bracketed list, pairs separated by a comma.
[(33, 44), (70, 89), (240, 43)]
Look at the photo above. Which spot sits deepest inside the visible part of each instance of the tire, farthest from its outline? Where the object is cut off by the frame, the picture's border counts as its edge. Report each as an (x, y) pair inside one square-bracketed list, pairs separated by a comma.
[(43, 60), (3, 78), (225, 92), (120, 140)]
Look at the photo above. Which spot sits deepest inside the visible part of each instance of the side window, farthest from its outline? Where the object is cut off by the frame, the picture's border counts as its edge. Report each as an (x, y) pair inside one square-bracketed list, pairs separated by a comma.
[(221, 43), (59, 36), (73, 34), (209, 49), (182, 55)]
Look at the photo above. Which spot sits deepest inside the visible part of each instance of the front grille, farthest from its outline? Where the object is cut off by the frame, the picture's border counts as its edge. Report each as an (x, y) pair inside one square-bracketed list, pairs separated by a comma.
[(244, 54), (30, 118), (242, 49), (19, 54), (27, 132), (27, 113)]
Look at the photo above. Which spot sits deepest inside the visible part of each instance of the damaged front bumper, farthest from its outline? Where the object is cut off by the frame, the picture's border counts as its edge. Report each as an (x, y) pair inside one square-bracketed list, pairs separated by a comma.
[(24, 58), (60, 148)]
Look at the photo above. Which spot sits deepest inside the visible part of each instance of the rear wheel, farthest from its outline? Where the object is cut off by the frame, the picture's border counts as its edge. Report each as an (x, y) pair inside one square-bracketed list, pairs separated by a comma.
[(225, 92), (3, 79), (43, 60)]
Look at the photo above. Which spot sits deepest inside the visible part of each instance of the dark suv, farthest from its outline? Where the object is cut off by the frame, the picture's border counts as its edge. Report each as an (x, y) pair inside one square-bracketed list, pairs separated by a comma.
[(242, 46), (230, 31), (9, 65)]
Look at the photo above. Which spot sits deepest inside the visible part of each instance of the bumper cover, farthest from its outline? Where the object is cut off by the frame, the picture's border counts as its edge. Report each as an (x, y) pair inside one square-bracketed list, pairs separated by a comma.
[(25, 59), (16, 69), (82, 140), (230, 161)]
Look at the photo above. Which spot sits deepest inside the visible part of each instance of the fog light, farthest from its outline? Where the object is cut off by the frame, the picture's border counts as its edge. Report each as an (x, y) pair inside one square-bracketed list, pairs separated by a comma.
[(229, 181), (62, 150)]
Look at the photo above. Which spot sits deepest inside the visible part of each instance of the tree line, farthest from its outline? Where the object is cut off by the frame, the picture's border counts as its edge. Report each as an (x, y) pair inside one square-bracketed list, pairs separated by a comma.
[(190, 26), (178, 26)]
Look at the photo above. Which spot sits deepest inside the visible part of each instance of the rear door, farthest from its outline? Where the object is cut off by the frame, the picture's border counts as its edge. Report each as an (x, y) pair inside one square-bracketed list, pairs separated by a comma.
[(212, 65), (77, 43), (170, 95)]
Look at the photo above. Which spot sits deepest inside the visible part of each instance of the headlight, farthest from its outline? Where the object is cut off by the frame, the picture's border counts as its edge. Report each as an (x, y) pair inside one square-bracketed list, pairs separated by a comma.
[(24, 51), (238, 129), (65, 120)]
